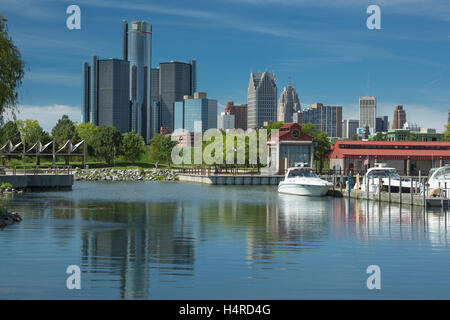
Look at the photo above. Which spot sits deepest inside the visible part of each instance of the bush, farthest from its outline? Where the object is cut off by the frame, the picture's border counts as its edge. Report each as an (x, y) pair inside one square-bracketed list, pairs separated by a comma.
[(5, 185)]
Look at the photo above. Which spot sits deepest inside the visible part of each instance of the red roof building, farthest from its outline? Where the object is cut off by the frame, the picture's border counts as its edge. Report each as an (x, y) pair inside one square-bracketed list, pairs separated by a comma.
[(408, 157), (291, 146)]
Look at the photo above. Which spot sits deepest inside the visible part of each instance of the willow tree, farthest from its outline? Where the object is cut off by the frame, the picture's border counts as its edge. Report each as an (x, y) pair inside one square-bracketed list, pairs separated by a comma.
[(11, 71)]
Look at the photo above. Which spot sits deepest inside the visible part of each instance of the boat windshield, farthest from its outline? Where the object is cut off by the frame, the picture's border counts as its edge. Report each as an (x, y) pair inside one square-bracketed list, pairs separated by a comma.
[(302, 174), (383, 174), (442, 173)]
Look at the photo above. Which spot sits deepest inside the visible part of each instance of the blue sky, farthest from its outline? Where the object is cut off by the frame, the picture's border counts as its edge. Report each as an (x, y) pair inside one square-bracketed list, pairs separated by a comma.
[(324, 46)]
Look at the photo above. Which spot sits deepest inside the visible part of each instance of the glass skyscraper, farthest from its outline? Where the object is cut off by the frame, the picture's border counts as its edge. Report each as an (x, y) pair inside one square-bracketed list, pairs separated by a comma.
[(193, 111), (139, 53)]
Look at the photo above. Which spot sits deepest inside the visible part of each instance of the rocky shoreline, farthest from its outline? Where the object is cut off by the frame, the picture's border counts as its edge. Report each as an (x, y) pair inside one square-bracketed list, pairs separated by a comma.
[(107, 174), (7, 219)]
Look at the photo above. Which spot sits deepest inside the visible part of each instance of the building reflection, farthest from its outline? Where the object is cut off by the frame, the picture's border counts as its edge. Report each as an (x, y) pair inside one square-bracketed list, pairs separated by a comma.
[(134, 240)]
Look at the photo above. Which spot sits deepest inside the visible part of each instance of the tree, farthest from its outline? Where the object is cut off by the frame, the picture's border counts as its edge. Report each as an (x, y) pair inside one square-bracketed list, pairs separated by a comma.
[(161, 148), (86, 131), (133, 146), (106, 143), (355, 137), (11, 132), (321, 140), (31, 132), (65, 130), (11, 70), (273, 125), (379, 137), (447, 132)]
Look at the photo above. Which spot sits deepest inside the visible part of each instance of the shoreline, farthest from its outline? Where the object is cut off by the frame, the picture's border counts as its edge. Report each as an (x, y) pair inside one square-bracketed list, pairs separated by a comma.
[(111, 174)]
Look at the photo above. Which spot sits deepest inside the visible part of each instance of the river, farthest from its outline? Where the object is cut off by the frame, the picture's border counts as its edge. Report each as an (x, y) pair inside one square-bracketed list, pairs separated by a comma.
[(160, 240)]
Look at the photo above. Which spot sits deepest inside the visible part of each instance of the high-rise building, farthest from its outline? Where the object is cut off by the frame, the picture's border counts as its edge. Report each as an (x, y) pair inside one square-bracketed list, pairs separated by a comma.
[(225, 121), (367, 112), (288, 104), (198, 113), (326, 118), (297, 117), (349, 128), (399, 117), (240, 114), (262, 99), (105, 93), (173, 81), (382, 124), (137, 47)]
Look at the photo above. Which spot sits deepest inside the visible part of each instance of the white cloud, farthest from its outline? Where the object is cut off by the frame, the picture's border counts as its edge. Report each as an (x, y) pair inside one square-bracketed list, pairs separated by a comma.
[(47, 115)]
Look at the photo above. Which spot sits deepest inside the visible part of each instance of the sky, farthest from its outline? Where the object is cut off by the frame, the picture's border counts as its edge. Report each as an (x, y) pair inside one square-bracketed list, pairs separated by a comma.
[(323, 46)]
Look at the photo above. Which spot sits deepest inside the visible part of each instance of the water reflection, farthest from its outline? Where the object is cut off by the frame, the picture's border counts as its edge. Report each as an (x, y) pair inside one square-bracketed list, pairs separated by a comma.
[(150, 246)]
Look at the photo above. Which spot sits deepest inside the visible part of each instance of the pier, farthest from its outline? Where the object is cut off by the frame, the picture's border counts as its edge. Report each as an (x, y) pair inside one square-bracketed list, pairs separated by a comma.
[(38, 178), (228, 179)]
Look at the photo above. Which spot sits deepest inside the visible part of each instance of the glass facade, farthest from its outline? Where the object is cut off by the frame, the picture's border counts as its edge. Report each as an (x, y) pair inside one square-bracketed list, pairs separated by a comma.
[(196, 110), (178, 115), (295, 153)]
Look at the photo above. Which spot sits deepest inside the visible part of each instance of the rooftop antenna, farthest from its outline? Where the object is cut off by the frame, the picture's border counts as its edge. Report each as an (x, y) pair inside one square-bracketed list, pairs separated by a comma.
[(368, 84), (289, 81)]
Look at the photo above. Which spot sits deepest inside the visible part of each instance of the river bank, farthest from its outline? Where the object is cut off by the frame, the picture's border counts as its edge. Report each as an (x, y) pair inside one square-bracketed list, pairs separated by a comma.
[(108, 174), (7, 218)]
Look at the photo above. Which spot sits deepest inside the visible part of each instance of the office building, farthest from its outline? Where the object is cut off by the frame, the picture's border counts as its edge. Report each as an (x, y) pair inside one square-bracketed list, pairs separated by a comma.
[(105, 93), (326, 118), (171, 82), (297, 117), (349, 128), (367, 112), (262, 99), (137, 48), (399, 117), (382, 124), (240, 114), (195, 113), (288, 104), (225, 121)]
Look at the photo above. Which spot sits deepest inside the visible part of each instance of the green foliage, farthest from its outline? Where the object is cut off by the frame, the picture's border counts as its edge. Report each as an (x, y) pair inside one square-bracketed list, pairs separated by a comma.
[(133, 146), (11, 70), (65, 130), (10, 131), (5, 185), (321, 140), (355, 137), (31, 132), (447, 133), (379, 137), (86, 131), (106, 143), (161, 148), (273, 125)]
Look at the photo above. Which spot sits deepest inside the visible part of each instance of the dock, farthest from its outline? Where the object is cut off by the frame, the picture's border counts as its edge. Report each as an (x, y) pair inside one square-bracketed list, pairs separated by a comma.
[(38, 178), (229, 179)]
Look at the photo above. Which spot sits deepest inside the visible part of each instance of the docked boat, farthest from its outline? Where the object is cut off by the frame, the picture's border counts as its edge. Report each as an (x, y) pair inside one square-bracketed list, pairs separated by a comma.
[(379, 177), (439, 178), (303, 181)]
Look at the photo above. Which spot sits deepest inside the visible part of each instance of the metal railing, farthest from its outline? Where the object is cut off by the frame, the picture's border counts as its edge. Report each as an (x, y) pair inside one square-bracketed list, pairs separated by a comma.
[(35, 170)]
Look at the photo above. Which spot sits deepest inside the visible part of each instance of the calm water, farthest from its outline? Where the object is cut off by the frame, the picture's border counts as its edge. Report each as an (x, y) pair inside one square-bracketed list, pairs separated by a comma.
[(175, 241)]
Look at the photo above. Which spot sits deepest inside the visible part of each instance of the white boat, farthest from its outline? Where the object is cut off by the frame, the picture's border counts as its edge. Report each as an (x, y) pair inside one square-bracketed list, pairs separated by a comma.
[(439, 178), (379, 176), (303, 181)]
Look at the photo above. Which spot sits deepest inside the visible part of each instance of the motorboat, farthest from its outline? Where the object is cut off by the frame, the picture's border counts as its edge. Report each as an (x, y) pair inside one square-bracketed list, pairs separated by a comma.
[(303, 181), (381, 176), (439, 178)]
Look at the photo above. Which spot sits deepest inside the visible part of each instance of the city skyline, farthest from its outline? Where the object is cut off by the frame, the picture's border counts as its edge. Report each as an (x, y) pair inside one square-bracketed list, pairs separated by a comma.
[(341, 59)]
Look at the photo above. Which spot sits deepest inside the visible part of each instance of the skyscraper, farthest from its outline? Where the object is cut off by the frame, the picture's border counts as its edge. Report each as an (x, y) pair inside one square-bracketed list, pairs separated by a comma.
[(174, 80), (138, 40), (288, 104), (381, 124), (195, 110), (349, 128), (262, 99), (105, 93), (367, 112), (225, 121), (399, 117), (240, 114), (326, 118)]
